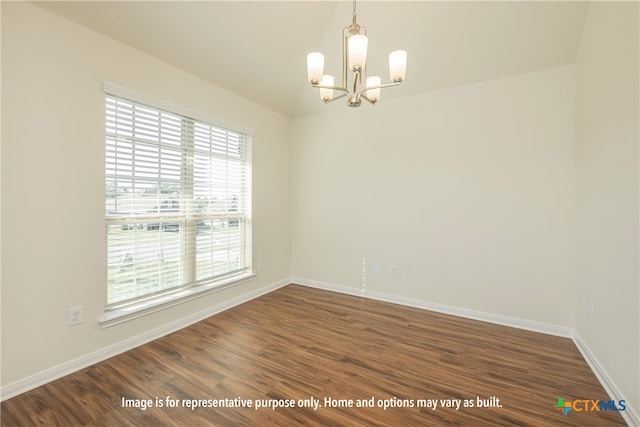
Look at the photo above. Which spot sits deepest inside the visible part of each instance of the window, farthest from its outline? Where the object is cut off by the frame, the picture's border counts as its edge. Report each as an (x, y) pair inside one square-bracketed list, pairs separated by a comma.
[(177, 203)]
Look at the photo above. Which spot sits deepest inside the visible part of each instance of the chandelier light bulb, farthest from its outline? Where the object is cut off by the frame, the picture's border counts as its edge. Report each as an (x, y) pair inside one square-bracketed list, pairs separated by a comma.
[(358, 51), (315, 66), (398, 65), (326, 94), (373, 94)]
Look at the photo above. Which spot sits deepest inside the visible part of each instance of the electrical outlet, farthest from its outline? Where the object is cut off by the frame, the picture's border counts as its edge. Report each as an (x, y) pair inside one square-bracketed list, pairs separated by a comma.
[(376, 268), (393, 270), (260, 265), (590, 311), (75, 315)]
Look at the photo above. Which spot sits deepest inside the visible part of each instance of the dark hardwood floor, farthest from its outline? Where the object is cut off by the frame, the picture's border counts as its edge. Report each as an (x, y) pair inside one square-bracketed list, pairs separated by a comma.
[(299, 344)]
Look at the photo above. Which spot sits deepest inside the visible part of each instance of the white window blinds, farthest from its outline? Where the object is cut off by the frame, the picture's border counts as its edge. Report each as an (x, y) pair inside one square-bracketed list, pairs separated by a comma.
[(177, 202)]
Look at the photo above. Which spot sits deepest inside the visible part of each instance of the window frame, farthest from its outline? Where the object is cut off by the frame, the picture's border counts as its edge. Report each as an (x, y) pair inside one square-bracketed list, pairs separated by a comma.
[(189, 288)]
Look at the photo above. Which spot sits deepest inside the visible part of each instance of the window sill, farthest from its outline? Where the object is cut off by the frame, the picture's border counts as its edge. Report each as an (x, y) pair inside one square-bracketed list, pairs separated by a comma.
[(116, 317)]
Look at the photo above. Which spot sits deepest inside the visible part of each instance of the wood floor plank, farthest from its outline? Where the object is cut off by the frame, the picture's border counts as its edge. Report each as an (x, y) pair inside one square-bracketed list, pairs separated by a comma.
[(304, 344)]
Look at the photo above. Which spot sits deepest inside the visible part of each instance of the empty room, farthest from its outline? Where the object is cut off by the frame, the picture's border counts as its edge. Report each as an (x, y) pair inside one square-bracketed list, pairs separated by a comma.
[(380, 213)]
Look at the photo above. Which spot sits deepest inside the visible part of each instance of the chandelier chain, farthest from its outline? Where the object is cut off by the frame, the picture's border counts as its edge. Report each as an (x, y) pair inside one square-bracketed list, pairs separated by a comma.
[(354, 12)]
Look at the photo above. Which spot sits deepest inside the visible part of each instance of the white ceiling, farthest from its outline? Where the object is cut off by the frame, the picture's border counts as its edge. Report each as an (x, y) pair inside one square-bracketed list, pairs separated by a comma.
[(258, 49)]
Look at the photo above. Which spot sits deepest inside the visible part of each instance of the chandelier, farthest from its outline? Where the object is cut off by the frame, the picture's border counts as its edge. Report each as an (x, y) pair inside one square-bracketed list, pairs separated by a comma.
[(354, 64)]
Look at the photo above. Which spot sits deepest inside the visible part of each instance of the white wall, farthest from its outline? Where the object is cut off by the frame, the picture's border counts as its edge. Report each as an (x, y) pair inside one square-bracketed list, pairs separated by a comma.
[(607, 123), (469, 190), (53, 238)]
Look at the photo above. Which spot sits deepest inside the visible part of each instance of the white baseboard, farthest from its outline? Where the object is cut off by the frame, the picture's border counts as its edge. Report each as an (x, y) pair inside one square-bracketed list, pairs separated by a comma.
[(59, 371), (514, 322), (630, 415)]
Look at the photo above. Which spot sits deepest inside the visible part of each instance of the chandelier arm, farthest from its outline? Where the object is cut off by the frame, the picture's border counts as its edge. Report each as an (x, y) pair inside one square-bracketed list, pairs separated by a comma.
[(345, 65), (343, 95), (367, 98), (340, 88), (377, 87)]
